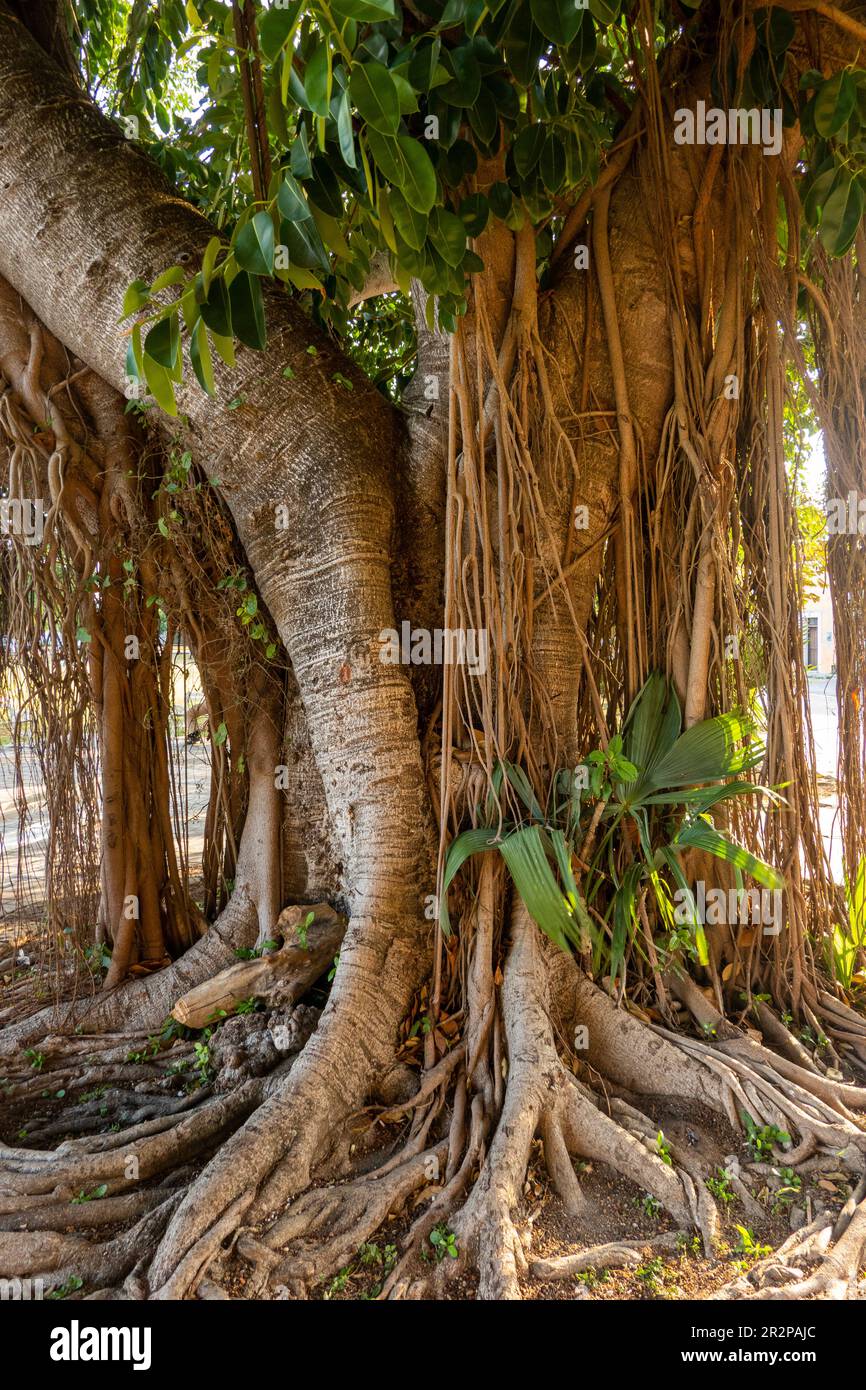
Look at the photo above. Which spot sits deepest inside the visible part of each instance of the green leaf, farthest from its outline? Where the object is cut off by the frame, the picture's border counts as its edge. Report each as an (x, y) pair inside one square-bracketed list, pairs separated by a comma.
[(136, 295), (324, 188), (345, 133), (527, 148), (558, 20), (375, 96), (715, 748), (364, 11), (551, 166), (216, 308), (834, 103), (159, 385), (535, 881), (454, 13), (248, 310), (469, 843), (254, 246), (463, 89), (810, 80), (317, 79), (580, 55), (422, 64), (134, 356), (818, 189), (605, 11), (624, 914), (405, 94), (448, 235), (305, 245), (473, 213), (484, 116), (225, 348), (700, 835), (411, 225), (500, 198), (524, 46), (841, 216), (300, 162), (162, 343), (652, 724), (291, 201), (407, 166), (172, 276), (775, 28), (419, 185), (562, 852), (221, 735), (200, 356), (275, 26), (189, 305), (522, 785), (208, 261)]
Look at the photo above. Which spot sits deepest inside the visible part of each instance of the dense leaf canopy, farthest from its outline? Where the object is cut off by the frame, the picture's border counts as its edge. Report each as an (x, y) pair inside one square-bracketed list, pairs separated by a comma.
[(319, 135)]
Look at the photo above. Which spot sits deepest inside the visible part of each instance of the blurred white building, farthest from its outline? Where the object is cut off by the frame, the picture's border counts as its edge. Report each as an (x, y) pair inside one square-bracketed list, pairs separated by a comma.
[(819, 646)]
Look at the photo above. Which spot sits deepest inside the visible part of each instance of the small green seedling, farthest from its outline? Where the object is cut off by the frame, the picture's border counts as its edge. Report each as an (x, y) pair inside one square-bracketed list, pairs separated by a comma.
[(764, 1138), (663, 1149), (720, 1186), (443, 1241), (93, 1196)]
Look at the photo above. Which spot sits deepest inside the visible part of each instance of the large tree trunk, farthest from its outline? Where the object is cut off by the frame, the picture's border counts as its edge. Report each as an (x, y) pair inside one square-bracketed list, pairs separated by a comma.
[(325, 454)]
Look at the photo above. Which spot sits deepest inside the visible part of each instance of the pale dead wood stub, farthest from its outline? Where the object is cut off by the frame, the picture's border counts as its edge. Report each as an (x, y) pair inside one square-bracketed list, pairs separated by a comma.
[(283, 976)]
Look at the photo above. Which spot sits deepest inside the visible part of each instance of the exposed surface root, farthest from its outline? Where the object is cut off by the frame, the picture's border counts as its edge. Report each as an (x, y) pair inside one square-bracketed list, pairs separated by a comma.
[(542, 1096), (467, 1173), (838, 1249), (616, 1254), (732, 1079), (58, 1258), (327, 1225), (118, 1160)]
